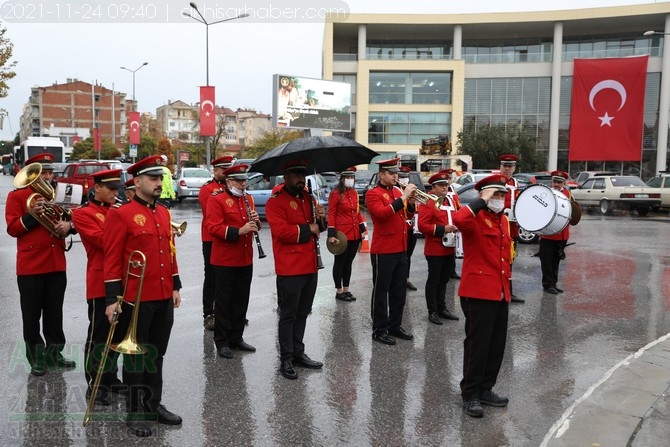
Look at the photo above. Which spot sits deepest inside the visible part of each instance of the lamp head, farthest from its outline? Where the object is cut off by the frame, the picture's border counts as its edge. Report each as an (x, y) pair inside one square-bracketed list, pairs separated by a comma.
[(193, 5), (649, 33)]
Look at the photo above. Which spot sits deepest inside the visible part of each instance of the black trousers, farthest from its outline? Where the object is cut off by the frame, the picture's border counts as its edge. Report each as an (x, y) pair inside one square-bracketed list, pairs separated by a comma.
[(208, 284), (389, 290), (342, 265), (439, 271), (232, 288), (143, 373), (550, 258), (295, 295), (411, 244), (42, 298), (98, 329), (484, 344)]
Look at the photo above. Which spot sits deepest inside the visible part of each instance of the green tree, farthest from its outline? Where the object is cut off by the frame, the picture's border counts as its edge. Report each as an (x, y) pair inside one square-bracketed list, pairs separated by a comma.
[(487, 143), (6, 66), (147, 146), (269, 140), (164, 147), (83, 149)]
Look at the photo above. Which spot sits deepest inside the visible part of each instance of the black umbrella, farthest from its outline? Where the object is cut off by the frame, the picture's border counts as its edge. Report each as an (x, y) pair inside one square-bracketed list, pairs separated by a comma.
[(322, 154)]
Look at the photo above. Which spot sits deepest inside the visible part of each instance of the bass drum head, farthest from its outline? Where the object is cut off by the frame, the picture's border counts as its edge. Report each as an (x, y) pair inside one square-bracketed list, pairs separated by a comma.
[(535, 208)]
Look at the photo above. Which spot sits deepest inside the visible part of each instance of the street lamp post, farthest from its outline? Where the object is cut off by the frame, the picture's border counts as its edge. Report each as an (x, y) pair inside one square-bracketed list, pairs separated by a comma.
[(201, 19), (133, 72)]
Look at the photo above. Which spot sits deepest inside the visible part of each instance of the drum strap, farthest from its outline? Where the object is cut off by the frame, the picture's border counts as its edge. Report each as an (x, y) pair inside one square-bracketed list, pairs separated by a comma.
[(512, 251)]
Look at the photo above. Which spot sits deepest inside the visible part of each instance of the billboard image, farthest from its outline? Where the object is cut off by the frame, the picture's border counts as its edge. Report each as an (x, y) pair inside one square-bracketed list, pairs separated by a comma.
[(306, 103)]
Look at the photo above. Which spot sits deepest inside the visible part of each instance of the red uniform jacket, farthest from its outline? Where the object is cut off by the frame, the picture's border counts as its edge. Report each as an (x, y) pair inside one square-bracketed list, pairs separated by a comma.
[(140, 226), (513, 188), (389, 218), (37, 250), (432, 221), (487, 242), (293, 245), (226, 214), (344, 214), (565, 234), (90, 221), (204, 195)]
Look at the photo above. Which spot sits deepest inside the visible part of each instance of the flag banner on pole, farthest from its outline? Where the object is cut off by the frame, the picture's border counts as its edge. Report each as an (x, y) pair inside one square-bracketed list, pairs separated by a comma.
[(606, 119), (207, 112), (134, 128), (96, 140)]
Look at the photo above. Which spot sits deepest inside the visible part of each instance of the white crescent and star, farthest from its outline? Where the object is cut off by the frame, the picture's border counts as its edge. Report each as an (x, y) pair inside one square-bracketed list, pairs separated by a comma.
[(611, 84), (204, 103), (134, 126)]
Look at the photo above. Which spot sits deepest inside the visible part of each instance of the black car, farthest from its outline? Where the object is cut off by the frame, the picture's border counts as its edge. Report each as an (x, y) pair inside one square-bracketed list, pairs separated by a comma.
[(361, 183)]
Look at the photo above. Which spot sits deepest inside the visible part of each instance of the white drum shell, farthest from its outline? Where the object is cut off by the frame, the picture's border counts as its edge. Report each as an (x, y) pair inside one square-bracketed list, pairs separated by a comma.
[(542, 210)]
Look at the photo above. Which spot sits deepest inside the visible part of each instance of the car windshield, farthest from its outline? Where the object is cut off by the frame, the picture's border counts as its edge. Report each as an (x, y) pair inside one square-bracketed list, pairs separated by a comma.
[(199, 173), (621, 182)]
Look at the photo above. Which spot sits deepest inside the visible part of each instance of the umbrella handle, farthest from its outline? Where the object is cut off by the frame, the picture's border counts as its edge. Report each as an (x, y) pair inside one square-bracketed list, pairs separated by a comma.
[(319, 261)]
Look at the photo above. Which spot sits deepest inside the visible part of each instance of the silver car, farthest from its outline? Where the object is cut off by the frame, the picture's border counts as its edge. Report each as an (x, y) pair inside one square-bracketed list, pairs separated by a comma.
[(189, 181)]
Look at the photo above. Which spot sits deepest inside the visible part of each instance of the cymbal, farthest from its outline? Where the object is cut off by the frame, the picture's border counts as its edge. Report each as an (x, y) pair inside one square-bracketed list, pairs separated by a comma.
[(339, 247)]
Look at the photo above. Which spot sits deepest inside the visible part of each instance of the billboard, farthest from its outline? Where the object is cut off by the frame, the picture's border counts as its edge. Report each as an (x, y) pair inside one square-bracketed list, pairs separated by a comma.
[(306, 103)]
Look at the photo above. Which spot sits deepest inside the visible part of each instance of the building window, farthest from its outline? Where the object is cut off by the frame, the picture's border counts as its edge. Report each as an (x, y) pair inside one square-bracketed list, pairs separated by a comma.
[(406, 127), (409, 50), (410, 88)]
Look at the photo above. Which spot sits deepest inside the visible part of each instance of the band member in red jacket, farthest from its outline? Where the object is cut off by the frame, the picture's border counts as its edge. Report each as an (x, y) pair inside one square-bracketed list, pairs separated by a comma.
[(144, 225), (232, 220), (436, 224), (295, 221), (90, 222), (484, 292), (344, 215), (552, 247), (390, 208), (507, 168), (40, 273), (214, 186)]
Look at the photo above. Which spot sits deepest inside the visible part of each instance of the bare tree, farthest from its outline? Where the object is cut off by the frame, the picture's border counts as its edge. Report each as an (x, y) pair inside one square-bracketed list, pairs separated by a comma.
[(6, 66)]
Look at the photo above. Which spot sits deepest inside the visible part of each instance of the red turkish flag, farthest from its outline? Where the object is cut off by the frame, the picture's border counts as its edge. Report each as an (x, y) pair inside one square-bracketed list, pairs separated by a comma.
[(96, 140), (607, 109), (207, 112), (134, 127)]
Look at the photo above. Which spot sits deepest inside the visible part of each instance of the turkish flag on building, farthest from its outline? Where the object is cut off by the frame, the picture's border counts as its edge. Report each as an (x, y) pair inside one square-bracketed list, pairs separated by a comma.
[(607, 109), (134, 128), (207, 112)]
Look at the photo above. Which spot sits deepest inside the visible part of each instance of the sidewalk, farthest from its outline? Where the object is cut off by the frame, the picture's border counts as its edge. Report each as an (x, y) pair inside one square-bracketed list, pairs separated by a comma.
[(630, 405)]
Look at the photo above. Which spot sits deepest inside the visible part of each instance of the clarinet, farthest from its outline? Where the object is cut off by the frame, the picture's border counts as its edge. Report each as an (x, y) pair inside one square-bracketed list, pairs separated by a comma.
[(319, 262), (261, 253)]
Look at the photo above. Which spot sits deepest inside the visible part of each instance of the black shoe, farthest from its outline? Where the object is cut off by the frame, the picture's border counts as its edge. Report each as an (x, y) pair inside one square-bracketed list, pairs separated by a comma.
[(117, 387), (62, 362), (447, 315), (38, 369), (101, 398), (455, 276), (288, 371), (551, 290), (434, 318), (383, 337), (209, 322), (473, 408), (516, 299), (351, 297), (225, 352), (139, 428), (488, 397), (401, 333), (165, 416), (243, 346), (558, 290), (342, 297), (303, 360), (411, 286)]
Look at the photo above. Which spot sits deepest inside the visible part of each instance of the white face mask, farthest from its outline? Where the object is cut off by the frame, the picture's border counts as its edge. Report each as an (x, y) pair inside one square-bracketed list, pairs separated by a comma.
[(348, 183), (496, 205), (236, 192), (403, 181)]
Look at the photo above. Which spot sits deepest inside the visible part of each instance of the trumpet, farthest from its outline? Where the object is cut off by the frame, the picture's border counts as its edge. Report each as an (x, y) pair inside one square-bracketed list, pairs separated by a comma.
[(179, 228), (423, 198), (129, 344)]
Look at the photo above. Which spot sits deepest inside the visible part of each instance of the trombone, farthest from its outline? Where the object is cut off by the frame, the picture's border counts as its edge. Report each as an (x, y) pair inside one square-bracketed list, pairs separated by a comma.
[(129, 344)]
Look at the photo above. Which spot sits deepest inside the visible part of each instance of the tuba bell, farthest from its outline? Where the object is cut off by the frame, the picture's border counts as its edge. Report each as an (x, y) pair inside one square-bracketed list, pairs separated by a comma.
[(30, 177)]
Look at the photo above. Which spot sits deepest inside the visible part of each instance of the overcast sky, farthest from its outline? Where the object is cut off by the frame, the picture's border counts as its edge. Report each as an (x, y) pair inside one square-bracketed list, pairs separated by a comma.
[(243, 54)]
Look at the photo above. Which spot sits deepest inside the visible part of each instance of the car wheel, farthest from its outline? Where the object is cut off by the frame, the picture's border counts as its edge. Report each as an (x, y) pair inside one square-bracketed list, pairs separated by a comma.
[(605, 207), (527, 237), (655, 208), (180, 199), (643, 210)]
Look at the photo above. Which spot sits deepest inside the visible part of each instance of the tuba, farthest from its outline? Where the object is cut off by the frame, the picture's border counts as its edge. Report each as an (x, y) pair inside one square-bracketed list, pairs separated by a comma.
[(29, 176)]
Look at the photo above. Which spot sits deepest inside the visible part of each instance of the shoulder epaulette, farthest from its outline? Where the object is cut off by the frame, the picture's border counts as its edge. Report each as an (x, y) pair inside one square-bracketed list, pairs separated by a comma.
[(208, 182)]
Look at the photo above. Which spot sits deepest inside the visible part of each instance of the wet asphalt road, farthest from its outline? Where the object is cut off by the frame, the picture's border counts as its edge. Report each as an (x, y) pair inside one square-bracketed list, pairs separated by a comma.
[(617, 283)]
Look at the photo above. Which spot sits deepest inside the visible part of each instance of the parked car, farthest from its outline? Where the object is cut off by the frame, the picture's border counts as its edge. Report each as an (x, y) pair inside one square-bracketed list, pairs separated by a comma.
[(81, 173), (533, 178), (661, 181), (583, 176), (7, 169), (472, 176), (189, 181), (260, 187), (617, 192), (361, 182), (332, 178), (414, 178)]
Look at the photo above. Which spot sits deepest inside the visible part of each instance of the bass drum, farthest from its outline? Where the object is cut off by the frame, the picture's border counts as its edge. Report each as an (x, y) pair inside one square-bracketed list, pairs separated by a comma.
[(542, 210)]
